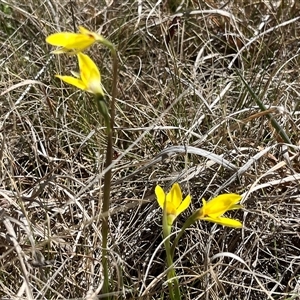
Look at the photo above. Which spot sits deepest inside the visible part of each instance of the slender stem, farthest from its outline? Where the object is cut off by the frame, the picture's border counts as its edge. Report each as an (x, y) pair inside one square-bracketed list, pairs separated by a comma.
[(191, 220), (175, 290), (173, 283), (107, 178), (105, 210), (170, 271), (114, 87)]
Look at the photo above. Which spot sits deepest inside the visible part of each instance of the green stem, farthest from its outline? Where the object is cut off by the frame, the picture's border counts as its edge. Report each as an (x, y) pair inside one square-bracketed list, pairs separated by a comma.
[(107, 178), (102, 108), (173, 283), (191, 220)]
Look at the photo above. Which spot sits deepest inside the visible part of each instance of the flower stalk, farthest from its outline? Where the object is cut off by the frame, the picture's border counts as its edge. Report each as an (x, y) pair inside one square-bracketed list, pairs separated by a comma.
[(172, 205), (173, 283), (108, 175), (89, 79)]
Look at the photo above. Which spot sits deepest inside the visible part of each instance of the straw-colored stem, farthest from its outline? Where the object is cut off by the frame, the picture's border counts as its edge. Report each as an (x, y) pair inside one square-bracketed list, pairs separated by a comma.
[(107, 179)]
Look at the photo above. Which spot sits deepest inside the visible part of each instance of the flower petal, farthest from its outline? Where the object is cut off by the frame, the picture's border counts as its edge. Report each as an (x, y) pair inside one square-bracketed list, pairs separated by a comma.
[(220, 204), (160, 196), (60, 38), (70, 40), (224, 221), (89, 73), (184, 205), (174, 198), (73, 81)]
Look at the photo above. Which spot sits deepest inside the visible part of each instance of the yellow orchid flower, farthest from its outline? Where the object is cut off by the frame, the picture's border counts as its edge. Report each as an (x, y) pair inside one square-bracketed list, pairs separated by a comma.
[(89, 78), (172, 202), (71, 42), (213, 210)]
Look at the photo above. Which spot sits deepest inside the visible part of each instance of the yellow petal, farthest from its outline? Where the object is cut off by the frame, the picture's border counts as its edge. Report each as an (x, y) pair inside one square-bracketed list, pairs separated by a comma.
[(70, 40), (174, 198), (224, 221), (60, 38), (73, 81), (160, 196), (220, 204), (88, 68), (90, 74), (184, 205)]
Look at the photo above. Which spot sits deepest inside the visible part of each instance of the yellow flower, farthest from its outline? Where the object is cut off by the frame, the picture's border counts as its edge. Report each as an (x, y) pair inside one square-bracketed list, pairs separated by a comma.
[(172, 202), (89, 78), (71, 42), (213, 210)]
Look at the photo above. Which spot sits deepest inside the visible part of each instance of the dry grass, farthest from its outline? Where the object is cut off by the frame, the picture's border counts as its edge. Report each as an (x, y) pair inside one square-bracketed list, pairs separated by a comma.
[(176, 95)]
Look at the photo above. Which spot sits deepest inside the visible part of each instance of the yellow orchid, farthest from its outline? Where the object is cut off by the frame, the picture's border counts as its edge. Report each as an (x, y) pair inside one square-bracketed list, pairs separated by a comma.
[(172, 202), (71, 42), (213, 210), (89, 78)]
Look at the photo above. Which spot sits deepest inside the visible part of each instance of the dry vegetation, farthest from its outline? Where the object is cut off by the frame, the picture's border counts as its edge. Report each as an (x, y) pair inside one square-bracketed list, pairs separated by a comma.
[(179, 92)]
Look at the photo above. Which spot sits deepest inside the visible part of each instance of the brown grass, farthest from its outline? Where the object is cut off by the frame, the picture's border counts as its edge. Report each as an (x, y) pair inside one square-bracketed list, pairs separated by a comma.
[(176, 94)]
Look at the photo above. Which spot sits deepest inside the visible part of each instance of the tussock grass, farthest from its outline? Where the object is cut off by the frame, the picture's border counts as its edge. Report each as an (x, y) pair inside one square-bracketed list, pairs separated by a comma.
[(175, 89)]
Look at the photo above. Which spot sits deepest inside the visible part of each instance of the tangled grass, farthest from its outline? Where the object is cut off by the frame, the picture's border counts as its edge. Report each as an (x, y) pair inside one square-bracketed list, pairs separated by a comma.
[(192, 80)]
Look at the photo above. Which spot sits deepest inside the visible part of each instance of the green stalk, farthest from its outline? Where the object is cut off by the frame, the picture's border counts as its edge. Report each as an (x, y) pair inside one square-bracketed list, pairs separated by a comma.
[(191, 220), (107, 176), (173, 283)]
